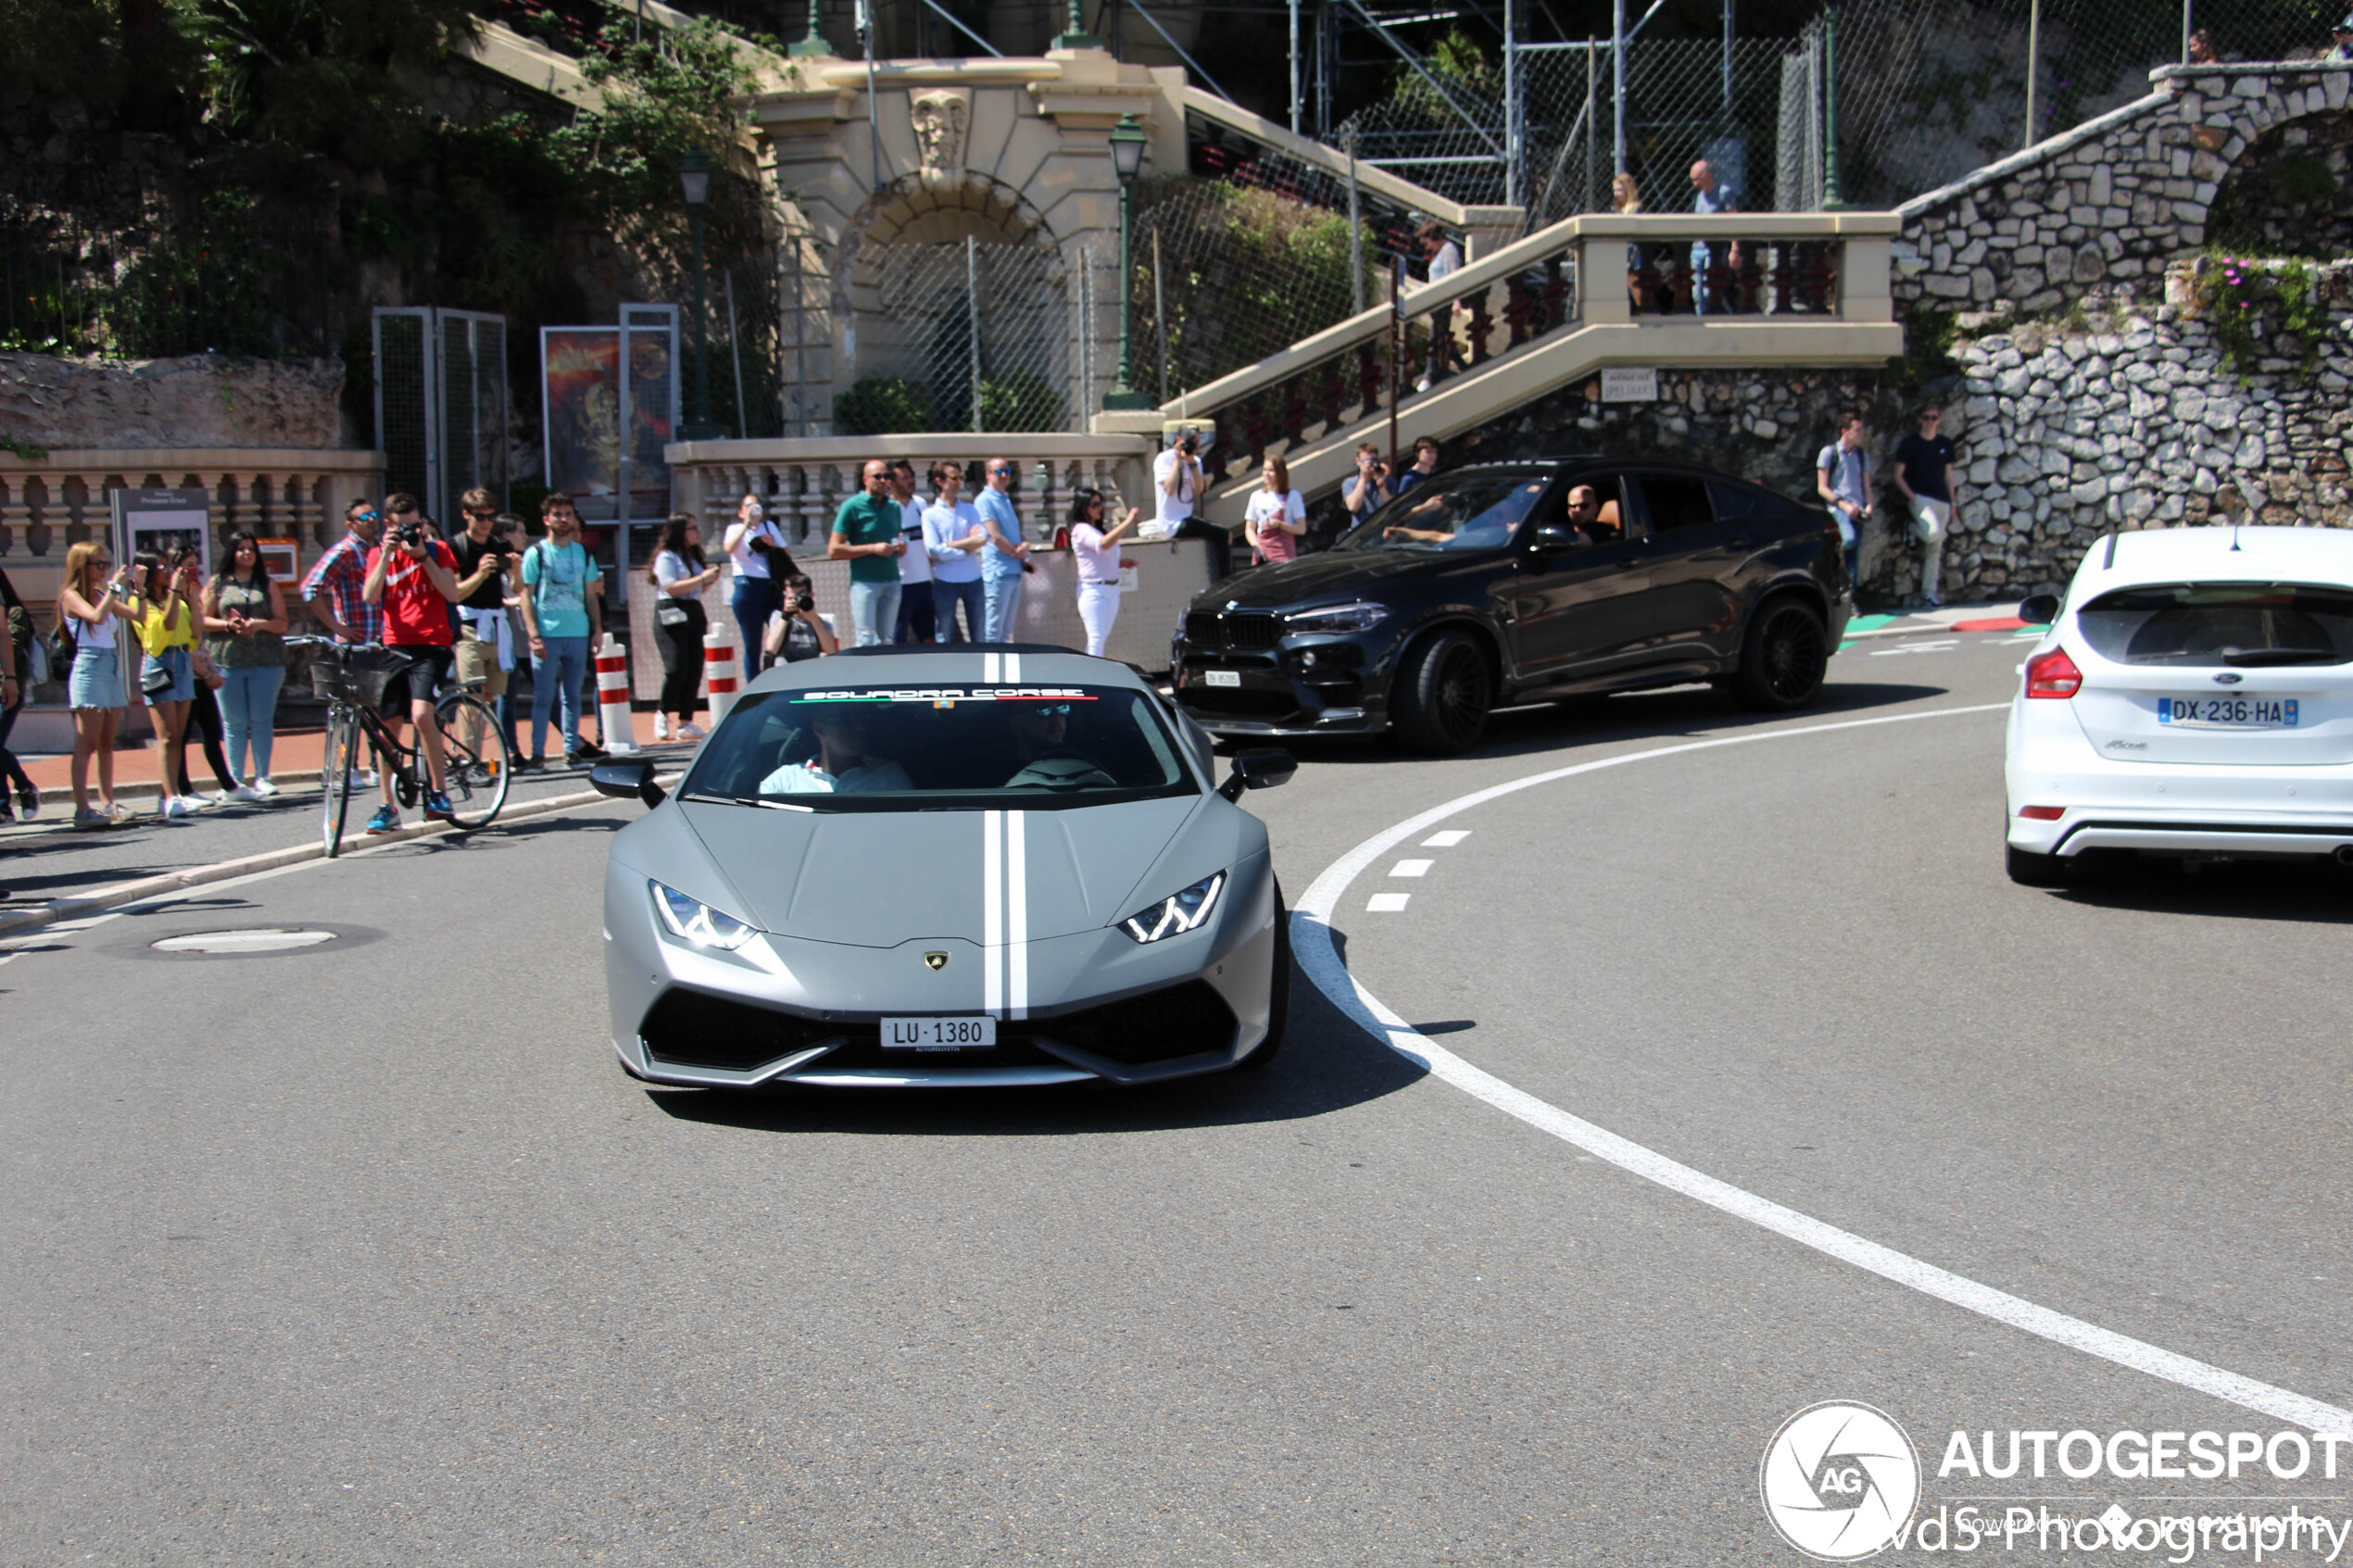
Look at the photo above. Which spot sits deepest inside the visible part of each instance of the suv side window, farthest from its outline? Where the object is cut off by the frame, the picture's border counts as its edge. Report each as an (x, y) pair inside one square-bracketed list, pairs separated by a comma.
[(1738, 503), (1677, 502)]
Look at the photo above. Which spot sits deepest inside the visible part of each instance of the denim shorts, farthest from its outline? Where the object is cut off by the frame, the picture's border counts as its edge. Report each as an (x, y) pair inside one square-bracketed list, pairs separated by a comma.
[(95, 680), (174, 663)]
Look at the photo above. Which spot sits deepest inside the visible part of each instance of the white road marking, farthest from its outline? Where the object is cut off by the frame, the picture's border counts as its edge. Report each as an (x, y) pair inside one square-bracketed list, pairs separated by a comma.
[(1012, 670), (1412, 868), (992, 910), (1017, 911), (1915, 647), (1446, 840), (1312, 941), (1387, 903)]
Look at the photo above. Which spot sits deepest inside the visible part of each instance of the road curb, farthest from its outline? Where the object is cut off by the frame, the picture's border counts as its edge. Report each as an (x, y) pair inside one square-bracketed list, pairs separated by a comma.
[(15, 922)]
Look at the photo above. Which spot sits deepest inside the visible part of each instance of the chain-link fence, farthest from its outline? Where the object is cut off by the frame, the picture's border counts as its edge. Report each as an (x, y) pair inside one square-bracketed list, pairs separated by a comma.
[(1928, 90), (966, 337)]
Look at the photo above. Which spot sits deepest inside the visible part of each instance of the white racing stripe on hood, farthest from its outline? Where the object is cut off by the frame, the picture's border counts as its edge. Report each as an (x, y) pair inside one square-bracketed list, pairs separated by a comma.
[(1004, 920), (989, 666), (1012, 670)]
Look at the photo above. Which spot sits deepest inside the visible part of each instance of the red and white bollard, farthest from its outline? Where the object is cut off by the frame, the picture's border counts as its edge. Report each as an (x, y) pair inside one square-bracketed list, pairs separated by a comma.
[(721, 671), (612, 698)]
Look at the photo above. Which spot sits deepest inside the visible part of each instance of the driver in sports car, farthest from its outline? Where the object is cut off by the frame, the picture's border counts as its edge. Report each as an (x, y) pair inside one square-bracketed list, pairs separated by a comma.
[(843, 764), (1038, 728)]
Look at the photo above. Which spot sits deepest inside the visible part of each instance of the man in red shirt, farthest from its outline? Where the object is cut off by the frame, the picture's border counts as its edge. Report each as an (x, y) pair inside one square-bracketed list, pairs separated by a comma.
[(414, 577)]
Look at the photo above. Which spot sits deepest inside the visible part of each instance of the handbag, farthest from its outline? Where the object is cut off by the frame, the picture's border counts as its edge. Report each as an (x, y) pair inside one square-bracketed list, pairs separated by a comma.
[(155, 680), (671, 613)]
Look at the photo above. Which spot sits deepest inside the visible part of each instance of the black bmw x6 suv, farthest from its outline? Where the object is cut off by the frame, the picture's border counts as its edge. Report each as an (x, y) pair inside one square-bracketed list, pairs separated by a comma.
[(1508, 583)]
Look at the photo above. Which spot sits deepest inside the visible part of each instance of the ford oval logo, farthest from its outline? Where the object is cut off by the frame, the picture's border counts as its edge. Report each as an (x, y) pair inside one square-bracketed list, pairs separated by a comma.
[(2229, 678)]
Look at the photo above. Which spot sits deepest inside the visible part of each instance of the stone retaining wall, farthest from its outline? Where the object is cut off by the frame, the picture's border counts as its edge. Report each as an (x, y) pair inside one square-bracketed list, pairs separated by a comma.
[(203, 400)]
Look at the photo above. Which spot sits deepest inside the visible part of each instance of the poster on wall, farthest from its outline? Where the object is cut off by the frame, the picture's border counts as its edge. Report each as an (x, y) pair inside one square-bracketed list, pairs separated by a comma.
[(163, 521), (579, 391), (282, 557)]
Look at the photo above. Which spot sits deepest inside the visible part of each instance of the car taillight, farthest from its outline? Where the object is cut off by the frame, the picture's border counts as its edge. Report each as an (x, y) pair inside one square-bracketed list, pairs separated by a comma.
[(2053, 674), (2042, 813)]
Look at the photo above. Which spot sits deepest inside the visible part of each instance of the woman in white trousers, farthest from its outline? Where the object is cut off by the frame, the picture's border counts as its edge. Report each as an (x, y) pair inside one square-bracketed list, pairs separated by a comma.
[(1096, 549)]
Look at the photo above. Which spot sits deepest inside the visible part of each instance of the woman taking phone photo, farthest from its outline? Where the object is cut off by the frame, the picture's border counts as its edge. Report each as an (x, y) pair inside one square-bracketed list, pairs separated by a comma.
[(1277, 516), (167, 630), (755, 549), (244, 623), (679, 575), (89, 603), (1096, 549)]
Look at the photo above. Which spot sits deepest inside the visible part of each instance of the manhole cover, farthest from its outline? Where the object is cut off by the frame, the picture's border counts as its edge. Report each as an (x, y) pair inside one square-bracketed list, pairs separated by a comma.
[(253, 939)]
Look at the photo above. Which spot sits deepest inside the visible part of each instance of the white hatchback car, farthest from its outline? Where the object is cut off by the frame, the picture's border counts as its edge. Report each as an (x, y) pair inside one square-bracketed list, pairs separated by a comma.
[(2193, 699)]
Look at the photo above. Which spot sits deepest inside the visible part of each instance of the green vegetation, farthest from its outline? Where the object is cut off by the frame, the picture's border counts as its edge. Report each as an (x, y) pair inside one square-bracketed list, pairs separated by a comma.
[(882, 406), (2249, 298)]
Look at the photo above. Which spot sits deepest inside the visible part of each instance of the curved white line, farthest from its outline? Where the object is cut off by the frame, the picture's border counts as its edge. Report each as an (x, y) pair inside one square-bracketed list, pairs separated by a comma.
[(1312, 941)]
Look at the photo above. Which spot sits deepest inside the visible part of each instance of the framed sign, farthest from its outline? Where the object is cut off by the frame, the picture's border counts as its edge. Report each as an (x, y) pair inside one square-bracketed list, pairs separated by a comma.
[(1629, 383), (282, 558), (163, 521)]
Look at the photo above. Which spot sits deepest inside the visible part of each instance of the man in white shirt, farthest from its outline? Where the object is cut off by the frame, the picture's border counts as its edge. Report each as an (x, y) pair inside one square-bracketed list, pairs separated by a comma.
[(842, 766), (1178, 484), (915, 566)]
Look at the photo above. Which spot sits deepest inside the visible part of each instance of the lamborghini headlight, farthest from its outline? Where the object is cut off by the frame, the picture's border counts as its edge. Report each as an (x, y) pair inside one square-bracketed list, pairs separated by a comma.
[(698, 924), (1177, 913)]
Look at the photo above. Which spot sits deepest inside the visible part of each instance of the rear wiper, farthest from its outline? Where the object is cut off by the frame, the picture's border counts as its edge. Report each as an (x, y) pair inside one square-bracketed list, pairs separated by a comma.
[(749, 801), (2255, 657)]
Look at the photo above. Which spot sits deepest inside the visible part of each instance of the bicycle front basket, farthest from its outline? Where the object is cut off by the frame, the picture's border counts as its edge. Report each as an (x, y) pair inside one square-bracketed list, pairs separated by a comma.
[(355, 676)]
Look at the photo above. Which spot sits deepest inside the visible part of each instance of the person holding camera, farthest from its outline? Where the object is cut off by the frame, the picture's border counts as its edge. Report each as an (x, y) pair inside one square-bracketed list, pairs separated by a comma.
[(1177, 487), (869, 534), (89, 603), (413, 580), (1365, 494), (679, 575), (755, 547), (487, 569), (798, 632), (562, 617)]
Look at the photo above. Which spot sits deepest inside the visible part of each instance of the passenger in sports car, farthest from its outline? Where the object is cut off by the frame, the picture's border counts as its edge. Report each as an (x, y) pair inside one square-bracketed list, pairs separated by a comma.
[(843, 765), (1039, 731)]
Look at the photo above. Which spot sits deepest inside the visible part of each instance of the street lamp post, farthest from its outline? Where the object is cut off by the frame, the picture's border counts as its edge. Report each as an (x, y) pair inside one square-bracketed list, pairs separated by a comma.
[(694, 182), (1127, 161), (1074, 34)]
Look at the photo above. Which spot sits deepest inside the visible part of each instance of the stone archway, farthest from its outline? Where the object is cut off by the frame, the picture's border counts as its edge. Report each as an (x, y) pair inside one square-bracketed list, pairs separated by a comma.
[(2291, 191), (958, 298)]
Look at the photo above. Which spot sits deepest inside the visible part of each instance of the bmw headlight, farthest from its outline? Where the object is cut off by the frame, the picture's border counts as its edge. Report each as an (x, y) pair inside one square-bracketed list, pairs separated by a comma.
[(698, 924), (1177, 913), (1336, 618)]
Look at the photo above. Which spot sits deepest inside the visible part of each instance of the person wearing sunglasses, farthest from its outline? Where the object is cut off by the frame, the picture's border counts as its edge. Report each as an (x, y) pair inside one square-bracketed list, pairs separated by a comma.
[(1096, 549), (1007, 557), (336, 588)]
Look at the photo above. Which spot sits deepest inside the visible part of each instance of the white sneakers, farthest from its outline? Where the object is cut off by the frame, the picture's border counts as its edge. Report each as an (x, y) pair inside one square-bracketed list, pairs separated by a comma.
[(245, 792), (661, 725), (263, 787), (690, 730), (181, 805)]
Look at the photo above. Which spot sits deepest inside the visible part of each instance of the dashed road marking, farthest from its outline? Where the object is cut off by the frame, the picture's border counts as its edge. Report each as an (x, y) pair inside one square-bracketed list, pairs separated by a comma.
[(1317, 955), (1412, 868), (1386, 903), (1446, 840)]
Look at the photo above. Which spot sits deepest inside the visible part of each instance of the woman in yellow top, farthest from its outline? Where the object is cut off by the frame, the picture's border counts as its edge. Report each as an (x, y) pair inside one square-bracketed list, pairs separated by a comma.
[(167, 627)]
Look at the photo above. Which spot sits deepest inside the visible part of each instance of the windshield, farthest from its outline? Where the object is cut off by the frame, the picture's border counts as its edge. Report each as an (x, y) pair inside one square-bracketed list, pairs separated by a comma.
[(1475, 511), (899, 748), (2208, 623)]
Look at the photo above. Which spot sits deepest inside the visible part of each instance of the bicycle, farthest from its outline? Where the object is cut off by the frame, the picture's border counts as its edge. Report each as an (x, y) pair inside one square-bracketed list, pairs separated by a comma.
[(351, 679)]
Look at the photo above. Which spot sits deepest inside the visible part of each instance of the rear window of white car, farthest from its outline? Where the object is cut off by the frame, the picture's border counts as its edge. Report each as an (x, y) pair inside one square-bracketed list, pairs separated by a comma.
[(2245, 624), (860, 747)]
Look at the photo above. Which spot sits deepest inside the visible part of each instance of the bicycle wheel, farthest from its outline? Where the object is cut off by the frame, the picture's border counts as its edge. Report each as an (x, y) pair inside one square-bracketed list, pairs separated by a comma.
[(479, 767), (334, 775)]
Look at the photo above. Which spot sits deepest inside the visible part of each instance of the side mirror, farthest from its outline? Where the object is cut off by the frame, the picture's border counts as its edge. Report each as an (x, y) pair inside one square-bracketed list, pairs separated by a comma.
[(1556, 536), (1258, 770), (631, 780), (2039, 609)]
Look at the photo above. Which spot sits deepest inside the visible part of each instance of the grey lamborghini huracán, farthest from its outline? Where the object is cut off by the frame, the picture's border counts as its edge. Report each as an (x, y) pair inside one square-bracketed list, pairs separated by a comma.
[(908, 867)]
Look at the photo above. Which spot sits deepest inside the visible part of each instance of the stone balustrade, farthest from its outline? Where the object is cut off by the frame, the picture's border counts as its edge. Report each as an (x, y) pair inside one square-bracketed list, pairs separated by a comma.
[(803, 481), (50, 503)]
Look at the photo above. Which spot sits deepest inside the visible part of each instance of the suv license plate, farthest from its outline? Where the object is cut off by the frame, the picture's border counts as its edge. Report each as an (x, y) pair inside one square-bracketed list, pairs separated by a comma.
[(938, 1033), (2228, 712), (1221, 677)]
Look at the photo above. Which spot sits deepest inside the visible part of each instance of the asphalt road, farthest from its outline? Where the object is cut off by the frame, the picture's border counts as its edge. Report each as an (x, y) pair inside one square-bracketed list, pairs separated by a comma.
[(370, 1254)]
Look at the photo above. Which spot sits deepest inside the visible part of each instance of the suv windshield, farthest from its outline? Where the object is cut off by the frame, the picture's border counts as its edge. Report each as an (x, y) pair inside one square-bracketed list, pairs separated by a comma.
[(897, 748), (1475, 512), (2237, 623)]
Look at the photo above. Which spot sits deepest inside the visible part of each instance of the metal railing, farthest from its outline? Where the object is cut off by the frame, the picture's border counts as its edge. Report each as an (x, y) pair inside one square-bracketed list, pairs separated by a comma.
[(1731, 271)]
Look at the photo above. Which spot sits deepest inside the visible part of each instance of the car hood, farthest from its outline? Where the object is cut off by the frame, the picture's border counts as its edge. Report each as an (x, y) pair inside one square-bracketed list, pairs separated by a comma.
[(1330, 572), (878, 879)]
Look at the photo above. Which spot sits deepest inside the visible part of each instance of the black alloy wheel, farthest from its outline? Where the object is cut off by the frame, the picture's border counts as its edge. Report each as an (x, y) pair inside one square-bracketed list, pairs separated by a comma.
[(1783, 658), (1442, 695)]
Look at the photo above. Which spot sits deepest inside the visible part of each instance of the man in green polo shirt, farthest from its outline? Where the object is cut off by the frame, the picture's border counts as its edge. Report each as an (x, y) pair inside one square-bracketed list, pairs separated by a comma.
[(868, 535)]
